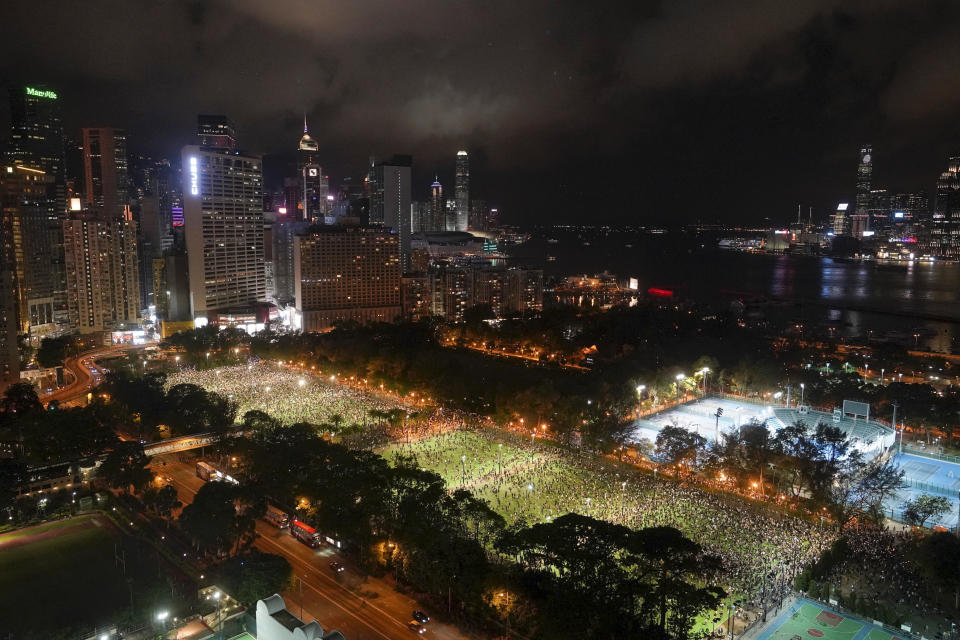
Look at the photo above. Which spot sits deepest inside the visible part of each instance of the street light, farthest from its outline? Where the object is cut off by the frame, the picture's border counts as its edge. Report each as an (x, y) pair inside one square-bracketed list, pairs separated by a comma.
[(162, 617), (704, 373), (216, 596), (802, 387), (680, 378)]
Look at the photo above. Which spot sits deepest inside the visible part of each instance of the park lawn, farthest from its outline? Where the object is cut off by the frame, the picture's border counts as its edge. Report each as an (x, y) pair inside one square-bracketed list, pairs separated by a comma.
[(444, 454), (19, 533), (68, 581)]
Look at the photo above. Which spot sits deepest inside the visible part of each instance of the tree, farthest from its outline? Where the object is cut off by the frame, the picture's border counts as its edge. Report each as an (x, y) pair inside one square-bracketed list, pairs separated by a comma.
[(161, 501), (53, 351), (680, 446), (673, 570), (255, 575), (21, 398), (125, 466), (217, 518), (924, 507)]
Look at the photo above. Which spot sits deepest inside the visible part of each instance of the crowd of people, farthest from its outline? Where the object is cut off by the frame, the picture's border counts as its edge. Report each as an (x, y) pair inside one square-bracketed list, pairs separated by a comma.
[(533, 479), (880, 570), (287, 394)]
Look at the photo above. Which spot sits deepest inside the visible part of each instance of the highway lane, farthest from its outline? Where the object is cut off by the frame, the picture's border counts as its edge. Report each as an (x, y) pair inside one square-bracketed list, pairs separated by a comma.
[(86, 375), (361, 607)]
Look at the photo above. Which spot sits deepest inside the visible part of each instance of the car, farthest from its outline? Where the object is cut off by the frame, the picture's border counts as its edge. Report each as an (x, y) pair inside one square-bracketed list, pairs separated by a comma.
[(337, 567), (420, 616), (416, 627)]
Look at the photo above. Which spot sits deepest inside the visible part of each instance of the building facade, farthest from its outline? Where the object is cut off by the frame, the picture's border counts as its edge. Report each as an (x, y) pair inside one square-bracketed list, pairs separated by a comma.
[(390, 201), (346, 274), (105, 170), (223, 222), (103, 288), (860, 218), (462, 193)]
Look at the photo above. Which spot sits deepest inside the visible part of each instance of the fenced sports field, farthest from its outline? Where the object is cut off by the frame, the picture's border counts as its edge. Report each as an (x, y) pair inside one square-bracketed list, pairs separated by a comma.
[(807, 620), (701, 417), (927, 475)]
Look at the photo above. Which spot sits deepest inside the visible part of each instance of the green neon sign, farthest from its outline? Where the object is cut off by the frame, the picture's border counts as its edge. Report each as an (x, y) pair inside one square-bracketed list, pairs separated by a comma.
[(41, 93)]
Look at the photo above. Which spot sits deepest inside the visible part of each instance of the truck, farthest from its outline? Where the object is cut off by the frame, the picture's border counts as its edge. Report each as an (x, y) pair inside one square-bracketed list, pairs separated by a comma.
[(305, 534), (210, 473), (206, 471), (276, 517)]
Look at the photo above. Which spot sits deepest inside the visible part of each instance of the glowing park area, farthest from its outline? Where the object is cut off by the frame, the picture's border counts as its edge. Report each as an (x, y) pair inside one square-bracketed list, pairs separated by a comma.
[(713, 416)]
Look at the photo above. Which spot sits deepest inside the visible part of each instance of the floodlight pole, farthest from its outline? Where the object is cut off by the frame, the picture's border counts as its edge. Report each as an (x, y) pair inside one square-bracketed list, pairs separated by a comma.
[(895, 406)]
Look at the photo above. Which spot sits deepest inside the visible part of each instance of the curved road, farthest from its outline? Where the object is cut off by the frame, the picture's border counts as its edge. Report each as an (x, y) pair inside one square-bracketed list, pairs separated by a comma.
[(86, 375)]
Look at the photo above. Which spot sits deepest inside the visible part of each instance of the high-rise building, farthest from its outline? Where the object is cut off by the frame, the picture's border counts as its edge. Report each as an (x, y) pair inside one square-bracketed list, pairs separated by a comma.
[(105, 171), (478, 215), (437, 208), (346, 274), (390, 201), (840, 221), (24, 195), (419, 216), (461, 193), (216, 133), (315, 186), (37, 142), (9, 325), (223, 218), (36, 132), (944, 227), (283, 237), (450, 289), (860, 218), (103, 286)]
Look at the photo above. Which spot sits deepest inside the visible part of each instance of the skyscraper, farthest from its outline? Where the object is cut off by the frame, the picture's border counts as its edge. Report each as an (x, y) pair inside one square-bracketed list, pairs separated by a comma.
[(461, 193), (216, 133), (860, 219), (103, 281), (437, 208), (944, 228), (314, 185), (223, 218), (24, 197), (37, 142), (105, 170), (9, 353), (390, 201), (36, 132)]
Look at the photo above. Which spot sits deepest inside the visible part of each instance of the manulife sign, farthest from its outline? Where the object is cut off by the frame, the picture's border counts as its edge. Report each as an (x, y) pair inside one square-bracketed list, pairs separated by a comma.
[(41, 93)]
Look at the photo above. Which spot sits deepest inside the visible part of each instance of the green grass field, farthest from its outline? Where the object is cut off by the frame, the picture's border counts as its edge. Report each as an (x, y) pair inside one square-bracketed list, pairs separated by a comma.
[(57, 583), (810, 621)]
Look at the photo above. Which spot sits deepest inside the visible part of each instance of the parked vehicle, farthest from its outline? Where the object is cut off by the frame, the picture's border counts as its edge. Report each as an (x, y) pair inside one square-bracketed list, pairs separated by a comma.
[(276, 517), (305, 534)]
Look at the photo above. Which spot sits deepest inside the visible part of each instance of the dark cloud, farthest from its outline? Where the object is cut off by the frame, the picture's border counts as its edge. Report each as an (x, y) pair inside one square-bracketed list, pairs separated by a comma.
[(573, 106)]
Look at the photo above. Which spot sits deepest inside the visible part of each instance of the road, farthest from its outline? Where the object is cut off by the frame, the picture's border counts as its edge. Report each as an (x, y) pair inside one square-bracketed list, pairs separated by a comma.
[(363, 608), (86, 375)]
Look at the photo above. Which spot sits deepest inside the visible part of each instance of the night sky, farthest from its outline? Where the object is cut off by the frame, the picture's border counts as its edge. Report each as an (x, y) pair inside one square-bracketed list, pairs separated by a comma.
[(681, 110)]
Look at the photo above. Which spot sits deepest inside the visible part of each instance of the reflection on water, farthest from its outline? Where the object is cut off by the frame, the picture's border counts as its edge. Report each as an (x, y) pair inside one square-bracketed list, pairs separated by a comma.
[(858, 297)]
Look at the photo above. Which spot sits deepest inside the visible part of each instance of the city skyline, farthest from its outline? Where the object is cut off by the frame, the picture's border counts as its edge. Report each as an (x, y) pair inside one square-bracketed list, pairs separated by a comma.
[(553, 102)]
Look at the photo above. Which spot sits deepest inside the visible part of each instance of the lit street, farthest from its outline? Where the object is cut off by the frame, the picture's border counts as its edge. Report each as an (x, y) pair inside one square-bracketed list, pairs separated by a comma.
[(361, 609)]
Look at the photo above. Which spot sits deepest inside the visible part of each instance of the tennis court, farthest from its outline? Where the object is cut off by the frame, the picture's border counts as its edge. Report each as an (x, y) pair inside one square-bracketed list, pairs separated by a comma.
[(700, 416), (927, 475), (806, 620)]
